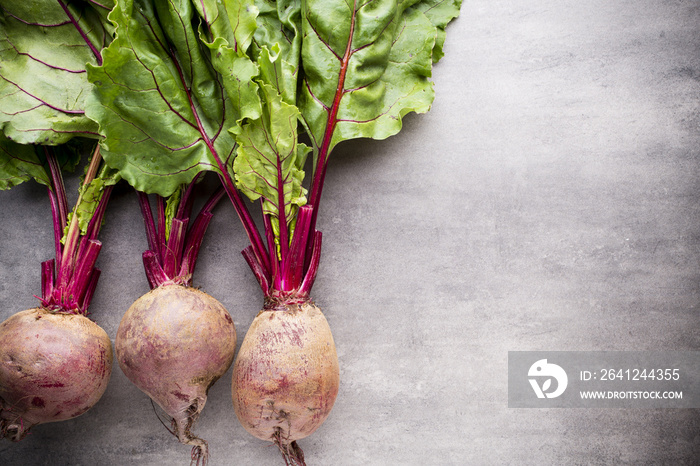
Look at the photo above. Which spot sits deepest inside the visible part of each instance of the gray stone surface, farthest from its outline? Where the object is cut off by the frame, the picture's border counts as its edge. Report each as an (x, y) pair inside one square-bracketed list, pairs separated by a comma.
[(549, 201)]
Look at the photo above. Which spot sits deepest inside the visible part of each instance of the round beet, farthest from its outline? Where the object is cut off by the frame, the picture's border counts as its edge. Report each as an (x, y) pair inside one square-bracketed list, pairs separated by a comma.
[(173, 343), (286, 376), (53, 367)]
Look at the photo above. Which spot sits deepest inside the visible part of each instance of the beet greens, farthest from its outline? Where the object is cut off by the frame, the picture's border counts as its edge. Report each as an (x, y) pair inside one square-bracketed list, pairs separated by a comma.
[(68, 281), (193, 86), (176, 341), (46, 46)]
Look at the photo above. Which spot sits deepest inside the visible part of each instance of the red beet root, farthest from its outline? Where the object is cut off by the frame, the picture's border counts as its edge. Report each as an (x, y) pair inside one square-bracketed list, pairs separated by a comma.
[(53, 367), (173, 343), (286, 376)]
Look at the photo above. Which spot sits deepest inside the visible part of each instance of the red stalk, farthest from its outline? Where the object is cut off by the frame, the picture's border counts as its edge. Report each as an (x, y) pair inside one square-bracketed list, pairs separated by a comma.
[(320, 170), (259, 250), (185, 208), (173, 260), (254, 265), (69, 281), (212, 201), (322, 158), (160, 231), (196, 234), (311, 272), (73, 236), (47, 279), (149, 223), (294, 266), (154, 272), (57, 227), (59, 204), (282, 224), (90, 290), (173, 250), (84, 265), (194, 242), (58, 186), (95, 222), (274, 274)]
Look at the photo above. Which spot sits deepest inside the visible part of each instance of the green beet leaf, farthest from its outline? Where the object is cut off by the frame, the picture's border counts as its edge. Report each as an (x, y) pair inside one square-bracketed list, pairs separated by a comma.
[(270, 161), (440, 13), (44, 46), (89, 197), (23, 162), (279, 32), (169, 91), (19, 163), (365, 66)]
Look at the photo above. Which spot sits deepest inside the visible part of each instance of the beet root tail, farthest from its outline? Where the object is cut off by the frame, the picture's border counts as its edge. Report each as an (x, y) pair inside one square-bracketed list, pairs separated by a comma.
[(12, 426), (291, 452), (182, 428)]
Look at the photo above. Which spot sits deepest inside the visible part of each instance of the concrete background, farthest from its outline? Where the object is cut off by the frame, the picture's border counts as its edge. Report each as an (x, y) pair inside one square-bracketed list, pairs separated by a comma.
[(549, 201)]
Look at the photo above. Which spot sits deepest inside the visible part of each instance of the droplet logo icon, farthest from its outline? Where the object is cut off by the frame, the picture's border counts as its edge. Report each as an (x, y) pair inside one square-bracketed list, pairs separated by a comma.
[(544, 372)]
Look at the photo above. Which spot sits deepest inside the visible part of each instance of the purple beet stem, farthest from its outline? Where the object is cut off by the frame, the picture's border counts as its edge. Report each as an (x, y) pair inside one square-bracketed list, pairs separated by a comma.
[(172, 260), (68, 282), (174, 246), (149, 223)]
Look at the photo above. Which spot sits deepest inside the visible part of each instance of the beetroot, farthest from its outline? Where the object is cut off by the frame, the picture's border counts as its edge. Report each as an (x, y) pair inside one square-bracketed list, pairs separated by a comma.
[(173, 343), (286, 376), (55, 362), (53, 367)]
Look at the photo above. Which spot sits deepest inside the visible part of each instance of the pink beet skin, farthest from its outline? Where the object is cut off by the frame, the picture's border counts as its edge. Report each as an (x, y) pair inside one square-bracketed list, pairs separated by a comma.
[(53, 367), (286, 375), (173, 343)]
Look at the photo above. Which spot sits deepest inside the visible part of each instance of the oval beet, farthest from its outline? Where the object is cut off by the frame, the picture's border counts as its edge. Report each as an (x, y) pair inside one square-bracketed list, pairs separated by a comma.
[(53, 367), (173, 343), (286, 375)]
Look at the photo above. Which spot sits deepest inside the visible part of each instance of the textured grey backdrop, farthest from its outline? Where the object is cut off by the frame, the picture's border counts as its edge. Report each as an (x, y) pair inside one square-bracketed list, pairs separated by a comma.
[(549, 201)]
